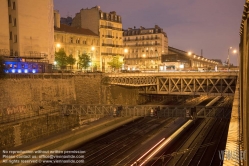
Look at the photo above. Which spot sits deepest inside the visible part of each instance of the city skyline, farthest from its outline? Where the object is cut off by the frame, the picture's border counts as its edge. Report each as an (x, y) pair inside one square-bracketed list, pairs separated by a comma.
[(211, 26)]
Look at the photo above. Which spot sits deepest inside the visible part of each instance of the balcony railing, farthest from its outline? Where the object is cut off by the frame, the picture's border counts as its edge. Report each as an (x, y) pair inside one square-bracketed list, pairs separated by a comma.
[(109, 36), (28, 54), (113, 54), (139, 45), (112, 45), (110, 27), (154, 38)]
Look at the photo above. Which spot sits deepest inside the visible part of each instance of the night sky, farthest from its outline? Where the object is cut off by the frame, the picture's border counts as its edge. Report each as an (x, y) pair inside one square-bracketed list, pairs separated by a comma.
[(191, 25)]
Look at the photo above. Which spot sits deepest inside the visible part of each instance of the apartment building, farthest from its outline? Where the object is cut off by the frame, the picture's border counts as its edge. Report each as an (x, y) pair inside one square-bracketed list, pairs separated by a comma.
[(108, 26), (76, 41), (143, 48), (28, 27)]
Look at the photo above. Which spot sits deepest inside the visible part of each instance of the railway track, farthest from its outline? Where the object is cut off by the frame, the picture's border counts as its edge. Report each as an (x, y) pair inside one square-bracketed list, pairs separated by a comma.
[(114, 148), (201, 150)]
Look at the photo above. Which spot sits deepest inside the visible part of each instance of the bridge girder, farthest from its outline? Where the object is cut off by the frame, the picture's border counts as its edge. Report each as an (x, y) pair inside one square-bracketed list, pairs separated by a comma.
[(179, 84)]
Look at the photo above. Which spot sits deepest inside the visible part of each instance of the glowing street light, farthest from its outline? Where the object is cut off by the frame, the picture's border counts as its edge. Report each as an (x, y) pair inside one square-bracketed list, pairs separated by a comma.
[(91, 63), (58, 45), (235, 52), (189, 53), (93, 48)]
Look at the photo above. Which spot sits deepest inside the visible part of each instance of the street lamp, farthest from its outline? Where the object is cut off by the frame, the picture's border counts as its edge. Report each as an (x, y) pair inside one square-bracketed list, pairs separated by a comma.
[(58, 45), (55, 63), (228, 59), (235, 52), (92, 48), (125, 57)]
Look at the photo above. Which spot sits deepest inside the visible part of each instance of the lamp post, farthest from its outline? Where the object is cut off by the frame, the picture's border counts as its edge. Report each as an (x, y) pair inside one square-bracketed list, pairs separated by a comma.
[(228, 58), (55, 63), (144, 55), (125, 52), (191, 64), (93, 48), (235, 52), (58, 45)]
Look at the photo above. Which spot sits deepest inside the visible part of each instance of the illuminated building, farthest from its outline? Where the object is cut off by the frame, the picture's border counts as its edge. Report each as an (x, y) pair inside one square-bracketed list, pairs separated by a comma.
[(77, 41), (108, 26), (144, 48)]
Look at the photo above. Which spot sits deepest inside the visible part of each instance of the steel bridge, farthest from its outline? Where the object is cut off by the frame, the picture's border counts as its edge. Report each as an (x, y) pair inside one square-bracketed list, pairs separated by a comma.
[(179, 83), (159, 111)]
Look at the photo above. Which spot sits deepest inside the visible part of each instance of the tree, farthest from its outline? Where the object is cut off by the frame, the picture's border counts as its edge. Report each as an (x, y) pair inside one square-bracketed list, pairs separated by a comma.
[(115, 62), (71, 60), (61, 58), (84, 61), (2, 68)]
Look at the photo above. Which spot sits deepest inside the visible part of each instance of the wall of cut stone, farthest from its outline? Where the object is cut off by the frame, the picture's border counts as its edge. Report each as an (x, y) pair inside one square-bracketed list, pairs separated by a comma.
[(35, 128), (121, 95), (89, 90), (15, 93), (38, 98)]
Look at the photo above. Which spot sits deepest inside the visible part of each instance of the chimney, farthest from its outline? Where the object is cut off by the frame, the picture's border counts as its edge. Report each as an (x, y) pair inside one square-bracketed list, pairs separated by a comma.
[(57, 19)]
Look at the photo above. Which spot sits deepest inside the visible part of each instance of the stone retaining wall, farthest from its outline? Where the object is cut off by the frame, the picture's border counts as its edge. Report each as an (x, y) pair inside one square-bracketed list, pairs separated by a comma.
[(32, 129)]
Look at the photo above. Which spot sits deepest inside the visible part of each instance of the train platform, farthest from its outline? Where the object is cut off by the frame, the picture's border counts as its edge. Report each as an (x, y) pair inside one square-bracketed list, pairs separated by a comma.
[(232, 154)]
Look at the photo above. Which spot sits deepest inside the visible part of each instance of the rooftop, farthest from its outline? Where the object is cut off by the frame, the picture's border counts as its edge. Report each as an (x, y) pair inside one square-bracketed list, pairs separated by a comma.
[(77, 30)]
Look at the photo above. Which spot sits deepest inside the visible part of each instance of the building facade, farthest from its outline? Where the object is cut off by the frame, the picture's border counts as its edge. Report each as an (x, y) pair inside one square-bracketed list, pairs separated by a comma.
[(108, 26), (4, 28), (76, 41), (143, 48), (177, 59), (28, 27)]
